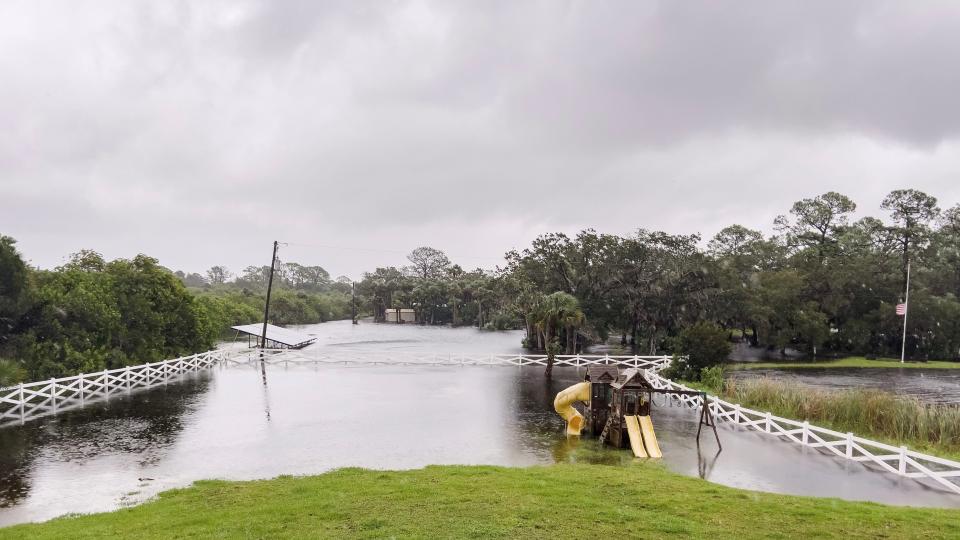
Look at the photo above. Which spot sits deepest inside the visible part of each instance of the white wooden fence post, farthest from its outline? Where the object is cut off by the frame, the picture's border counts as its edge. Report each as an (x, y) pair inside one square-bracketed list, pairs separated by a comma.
[(81, 387), (53, 393), (902, 468), (806, 432), (23, 405), (768, 422), (736, 414), (849, 445)]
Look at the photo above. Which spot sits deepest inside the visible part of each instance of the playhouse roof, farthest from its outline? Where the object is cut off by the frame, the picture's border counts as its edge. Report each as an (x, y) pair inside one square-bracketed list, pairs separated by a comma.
[(630, 377), (603, 374)]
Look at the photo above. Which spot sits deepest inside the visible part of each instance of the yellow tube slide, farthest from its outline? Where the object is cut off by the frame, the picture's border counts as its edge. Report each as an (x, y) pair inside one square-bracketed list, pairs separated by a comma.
[(563, 404)]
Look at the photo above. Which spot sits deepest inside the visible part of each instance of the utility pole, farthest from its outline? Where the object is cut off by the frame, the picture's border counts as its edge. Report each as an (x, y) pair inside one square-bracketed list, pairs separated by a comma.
[(906, 310), (353, 300), (266, 307)]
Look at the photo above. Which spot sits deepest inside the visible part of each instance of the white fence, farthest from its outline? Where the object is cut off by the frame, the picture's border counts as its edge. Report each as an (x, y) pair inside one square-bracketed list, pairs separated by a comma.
[(26, 401), (407, 358), (893, 459)]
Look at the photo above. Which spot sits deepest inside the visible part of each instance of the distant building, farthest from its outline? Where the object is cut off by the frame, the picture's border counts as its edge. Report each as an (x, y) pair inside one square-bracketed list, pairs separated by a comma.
[(400, 315)]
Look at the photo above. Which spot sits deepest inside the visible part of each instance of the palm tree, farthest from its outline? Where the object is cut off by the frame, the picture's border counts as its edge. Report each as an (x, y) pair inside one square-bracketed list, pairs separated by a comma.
[(556, 310), (572, 321)]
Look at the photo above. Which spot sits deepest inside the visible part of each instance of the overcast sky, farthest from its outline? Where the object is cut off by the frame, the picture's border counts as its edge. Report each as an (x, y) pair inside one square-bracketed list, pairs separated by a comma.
[(198, 132)]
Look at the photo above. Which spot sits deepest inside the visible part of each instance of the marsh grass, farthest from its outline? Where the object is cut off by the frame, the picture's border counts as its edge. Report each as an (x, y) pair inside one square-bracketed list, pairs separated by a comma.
[(887, 417)]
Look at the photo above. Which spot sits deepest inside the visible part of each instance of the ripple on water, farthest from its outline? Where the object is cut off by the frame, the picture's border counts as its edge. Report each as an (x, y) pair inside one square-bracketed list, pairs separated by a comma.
[(927, 385)]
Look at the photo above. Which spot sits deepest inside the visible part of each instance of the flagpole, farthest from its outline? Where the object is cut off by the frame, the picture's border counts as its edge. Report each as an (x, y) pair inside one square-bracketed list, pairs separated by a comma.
[(906, 310)]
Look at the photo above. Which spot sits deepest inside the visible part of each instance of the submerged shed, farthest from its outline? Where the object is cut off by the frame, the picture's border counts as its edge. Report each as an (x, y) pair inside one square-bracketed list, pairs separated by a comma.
[(277, 336)]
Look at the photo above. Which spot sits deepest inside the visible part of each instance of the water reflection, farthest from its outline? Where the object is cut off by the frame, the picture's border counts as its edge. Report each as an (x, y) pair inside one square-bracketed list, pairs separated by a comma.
[(140, 427), (306, 419), (929, 385)]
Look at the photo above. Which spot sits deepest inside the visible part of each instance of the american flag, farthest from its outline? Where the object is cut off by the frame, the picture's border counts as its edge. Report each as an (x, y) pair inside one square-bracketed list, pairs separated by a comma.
[(901, 309)]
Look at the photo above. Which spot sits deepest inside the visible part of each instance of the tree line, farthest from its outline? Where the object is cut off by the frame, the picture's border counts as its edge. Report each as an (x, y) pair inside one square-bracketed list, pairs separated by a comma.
[(90, 314), (822, 283)]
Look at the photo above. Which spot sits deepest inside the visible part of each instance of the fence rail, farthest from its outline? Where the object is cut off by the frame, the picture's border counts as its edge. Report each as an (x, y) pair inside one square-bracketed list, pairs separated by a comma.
[(26, 401), (889, 458), (318, 356), (31, 400)]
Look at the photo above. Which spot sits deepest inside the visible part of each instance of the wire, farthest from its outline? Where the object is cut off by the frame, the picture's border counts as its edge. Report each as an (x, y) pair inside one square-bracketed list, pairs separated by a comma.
[(381, 250)]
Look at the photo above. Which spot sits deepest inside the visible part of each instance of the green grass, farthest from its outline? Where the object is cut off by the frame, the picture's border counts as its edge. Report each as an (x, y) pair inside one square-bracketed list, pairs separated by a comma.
[(886, 417), (851, 362), (561, 501)]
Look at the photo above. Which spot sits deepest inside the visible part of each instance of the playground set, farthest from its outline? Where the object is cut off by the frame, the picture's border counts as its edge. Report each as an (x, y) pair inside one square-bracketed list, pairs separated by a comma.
[(617, 409)]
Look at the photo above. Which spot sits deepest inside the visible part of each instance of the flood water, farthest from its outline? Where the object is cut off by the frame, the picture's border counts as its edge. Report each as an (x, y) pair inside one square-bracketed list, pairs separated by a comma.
[(224, 423), (927, 385)]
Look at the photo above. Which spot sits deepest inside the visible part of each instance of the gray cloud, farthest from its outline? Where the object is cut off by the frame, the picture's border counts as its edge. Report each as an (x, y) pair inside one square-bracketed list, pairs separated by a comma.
[(199, 131)]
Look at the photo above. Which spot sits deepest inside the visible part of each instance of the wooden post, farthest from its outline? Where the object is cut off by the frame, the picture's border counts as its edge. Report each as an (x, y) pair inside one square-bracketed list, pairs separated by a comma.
[(266, 306), (23, 405)]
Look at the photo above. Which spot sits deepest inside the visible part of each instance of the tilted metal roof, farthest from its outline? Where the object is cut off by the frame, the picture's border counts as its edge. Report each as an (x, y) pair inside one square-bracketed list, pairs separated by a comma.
[(276, 334)]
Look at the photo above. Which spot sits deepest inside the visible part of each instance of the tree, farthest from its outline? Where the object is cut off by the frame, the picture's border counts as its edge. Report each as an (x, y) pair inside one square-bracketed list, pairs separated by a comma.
[(256, 275), (704, 345), (218, 275), (427, 263), (817, 222), (14, 288), (380, 286), (944, 256), (556, 310), (911, 211), (312, 278), (85, 260), (734, 241)]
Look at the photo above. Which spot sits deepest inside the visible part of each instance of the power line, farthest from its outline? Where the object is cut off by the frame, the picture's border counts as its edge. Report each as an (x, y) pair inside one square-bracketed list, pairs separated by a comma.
[(382, 250)]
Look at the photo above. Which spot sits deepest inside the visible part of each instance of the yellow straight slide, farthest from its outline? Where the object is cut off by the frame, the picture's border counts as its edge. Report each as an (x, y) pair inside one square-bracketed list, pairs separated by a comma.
[(649, 437), (636, 441)]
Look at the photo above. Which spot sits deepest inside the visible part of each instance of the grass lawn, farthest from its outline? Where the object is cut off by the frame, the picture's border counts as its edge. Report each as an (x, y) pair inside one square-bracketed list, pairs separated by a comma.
[(560, 501), (851, 362)]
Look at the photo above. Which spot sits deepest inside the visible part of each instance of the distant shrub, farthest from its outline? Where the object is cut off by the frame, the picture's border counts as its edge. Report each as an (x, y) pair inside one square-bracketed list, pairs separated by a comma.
[(712, 378), (11, 373), (704, 345), (504, 321)]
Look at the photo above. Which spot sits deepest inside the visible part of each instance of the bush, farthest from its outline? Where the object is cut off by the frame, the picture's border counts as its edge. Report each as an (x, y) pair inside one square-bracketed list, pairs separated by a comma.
[(680, 370), (705, 345), (11, 373), (712, 378)]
